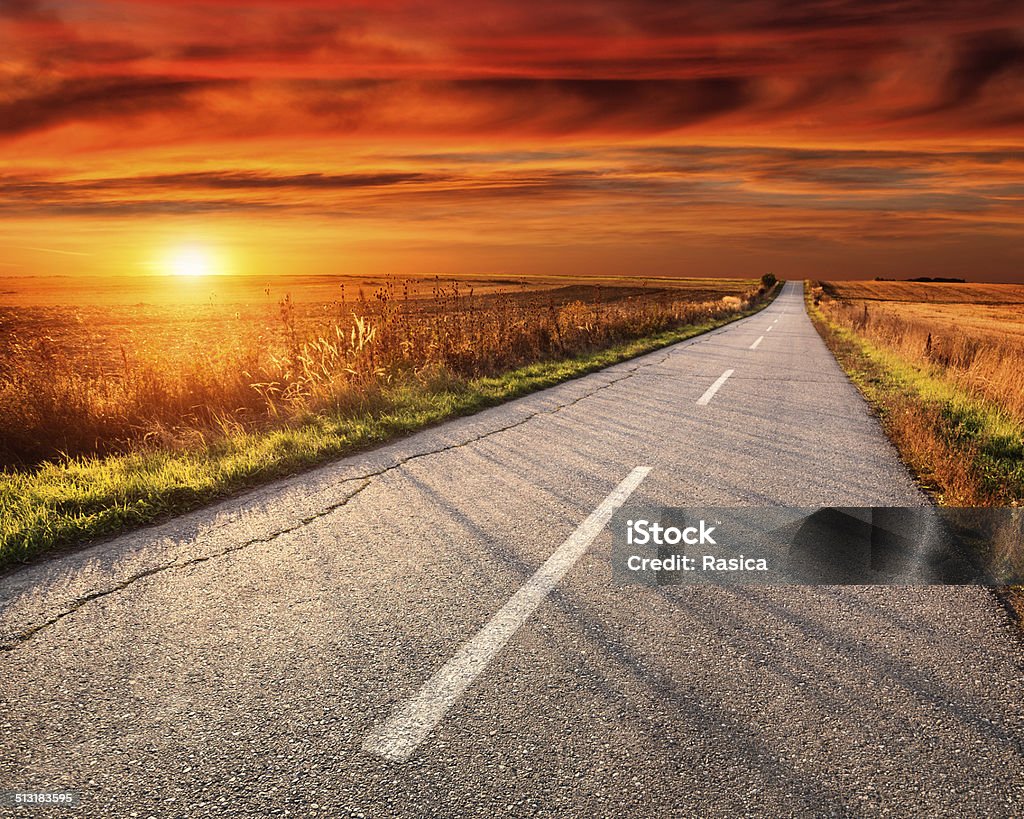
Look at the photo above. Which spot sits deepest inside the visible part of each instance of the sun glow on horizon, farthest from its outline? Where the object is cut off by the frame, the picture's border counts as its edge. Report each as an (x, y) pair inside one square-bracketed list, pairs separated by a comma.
[(191, 261)]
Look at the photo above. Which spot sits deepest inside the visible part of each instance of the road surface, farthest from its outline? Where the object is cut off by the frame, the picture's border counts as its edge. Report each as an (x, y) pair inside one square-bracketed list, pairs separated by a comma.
[(373, 638)]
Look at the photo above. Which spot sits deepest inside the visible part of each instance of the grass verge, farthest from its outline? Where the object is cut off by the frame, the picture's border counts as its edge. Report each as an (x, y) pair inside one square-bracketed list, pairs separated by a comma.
[(964, 450), (60, 504)]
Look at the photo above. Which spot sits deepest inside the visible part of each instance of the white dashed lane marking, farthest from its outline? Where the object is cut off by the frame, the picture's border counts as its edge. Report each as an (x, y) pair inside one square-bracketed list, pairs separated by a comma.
[(411, 721), (710, 392)]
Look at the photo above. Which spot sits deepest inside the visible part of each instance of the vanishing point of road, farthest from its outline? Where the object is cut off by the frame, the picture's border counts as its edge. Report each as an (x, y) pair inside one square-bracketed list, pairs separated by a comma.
[(431, 629)]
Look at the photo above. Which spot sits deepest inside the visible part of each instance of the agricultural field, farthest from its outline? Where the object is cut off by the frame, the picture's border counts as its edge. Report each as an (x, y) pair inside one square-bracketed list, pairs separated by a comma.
[(117, 364), (97, 323), (990, 312), (944, 365), (121, 401), (972, 333)]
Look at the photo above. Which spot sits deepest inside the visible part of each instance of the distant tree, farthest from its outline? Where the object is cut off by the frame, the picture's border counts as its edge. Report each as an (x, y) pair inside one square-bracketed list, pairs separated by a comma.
[(768, 281)]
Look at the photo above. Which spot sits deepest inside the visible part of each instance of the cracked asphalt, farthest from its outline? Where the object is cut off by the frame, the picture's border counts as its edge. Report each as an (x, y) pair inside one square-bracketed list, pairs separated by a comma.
[(233, 661)]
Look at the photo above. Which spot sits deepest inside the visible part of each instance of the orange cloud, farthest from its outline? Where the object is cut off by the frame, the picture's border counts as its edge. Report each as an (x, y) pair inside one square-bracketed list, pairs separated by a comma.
[(710, 134)]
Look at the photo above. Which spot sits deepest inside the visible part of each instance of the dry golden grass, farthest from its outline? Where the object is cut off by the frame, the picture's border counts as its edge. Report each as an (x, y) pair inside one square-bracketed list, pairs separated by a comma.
[(111, 375), (971, 335), (947, 383), (943, 365)]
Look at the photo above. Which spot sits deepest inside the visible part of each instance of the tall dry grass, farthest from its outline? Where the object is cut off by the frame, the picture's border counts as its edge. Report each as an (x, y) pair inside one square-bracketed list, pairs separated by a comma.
[(986, 365), (57, 402), (950, 393)]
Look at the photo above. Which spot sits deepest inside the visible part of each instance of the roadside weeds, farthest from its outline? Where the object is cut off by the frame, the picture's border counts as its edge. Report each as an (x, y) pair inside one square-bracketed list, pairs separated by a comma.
[(963, 449), (64, 504)]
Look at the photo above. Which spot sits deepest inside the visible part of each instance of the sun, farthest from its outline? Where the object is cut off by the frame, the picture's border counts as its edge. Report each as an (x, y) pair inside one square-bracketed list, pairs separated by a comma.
[(191, 261)]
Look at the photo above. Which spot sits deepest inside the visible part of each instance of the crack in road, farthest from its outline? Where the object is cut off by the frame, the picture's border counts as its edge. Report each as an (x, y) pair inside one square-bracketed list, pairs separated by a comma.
[(25, 635)]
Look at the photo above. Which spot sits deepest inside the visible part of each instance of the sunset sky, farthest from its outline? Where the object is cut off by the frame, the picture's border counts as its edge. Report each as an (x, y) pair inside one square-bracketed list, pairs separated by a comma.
[(807, 137)]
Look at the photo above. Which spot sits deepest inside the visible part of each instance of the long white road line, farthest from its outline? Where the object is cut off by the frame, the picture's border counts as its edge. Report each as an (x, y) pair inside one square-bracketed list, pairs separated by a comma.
[(709, 393), (411, 721)]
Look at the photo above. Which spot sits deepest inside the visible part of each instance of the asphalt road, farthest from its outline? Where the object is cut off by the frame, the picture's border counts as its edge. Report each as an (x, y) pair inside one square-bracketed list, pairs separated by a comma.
[(246, 659)]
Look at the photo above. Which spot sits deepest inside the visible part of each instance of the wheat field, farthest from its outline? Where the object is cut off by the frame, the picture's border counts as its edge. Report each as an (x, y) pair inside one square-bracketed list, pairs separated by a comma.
[(943, 365), (100, 373), (969, 334)]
